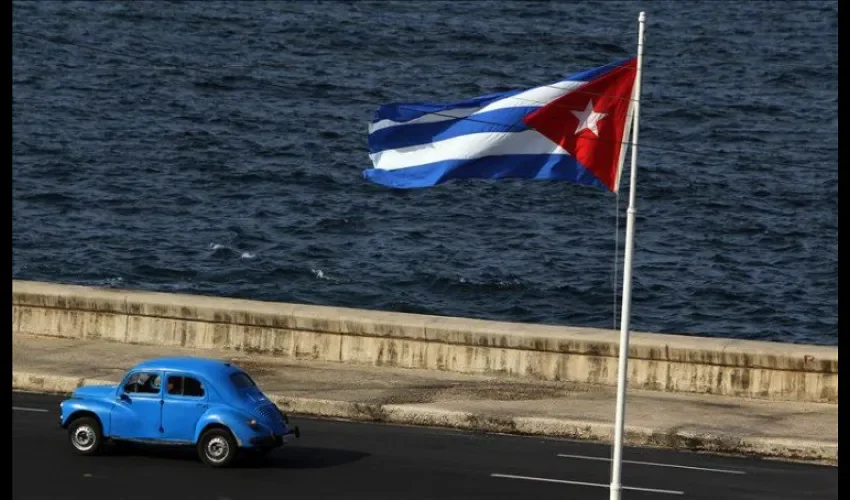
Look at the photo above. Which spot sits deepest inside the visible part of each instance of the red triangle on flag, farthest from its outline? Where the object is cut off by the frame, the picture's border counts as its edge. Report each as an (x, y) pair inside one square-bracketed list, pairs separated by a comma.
[(590, 121)]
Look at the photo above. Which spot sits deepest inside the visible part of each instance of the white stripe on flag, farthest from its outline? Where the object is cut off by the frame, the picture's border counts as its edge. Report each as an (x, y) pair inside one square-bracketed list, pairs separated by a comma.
[(449, 114), (467, 147), (538, 96)]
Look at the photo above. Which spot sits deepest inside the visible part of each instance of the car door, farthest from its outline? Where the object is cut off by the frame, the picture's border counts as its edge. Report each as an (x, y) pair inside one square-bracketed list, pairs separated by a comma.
[(185, 401), (138, 412)]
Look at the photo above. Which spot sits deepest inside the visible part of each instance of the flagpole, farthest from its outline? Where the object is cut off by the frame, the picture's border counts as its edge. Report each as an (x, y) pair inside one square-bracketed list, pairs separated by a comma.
[(622, 369)]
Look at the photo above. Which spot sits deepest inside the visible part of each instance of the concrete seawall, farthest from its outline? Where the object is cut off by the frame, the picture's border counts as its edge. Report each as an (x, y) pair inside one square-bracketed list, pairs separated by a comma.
[(764, 370)]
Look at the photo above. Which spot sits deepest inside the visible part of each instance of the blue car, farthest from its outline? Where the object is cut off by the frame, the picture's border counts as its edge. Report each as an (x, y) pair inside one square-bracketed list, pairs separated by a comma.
[(210, 404)]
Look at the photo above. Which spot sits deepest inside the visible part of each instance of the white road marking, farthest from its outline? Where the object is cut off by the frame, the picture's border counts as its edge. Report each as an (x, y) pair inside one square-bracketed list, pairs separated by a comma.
[(23, 408), (582, 483), (655, 464)]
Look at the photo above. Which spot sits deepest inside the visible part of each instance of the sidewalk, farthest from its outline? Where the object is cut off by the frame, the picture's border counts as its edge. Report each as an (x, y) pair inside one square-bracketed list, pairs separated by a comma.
[(807, 431)]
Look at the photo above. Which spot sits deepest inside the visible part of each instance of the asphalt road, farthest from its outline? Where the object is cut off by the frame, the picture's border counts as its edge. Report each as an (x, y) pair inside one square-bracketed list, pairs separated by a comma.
[(370, 461)]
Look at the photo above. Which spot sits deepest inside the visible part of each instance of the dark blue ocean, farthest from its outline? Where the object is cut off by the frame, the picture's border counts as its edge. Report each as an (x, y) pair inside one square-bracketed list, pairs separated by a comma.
[(217, 148)]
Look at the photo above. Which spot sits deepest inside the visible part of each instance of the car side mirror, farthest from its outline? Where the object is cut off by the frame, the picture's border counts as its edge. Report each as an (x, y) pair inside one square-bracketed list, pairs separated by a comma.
[(124, 397)]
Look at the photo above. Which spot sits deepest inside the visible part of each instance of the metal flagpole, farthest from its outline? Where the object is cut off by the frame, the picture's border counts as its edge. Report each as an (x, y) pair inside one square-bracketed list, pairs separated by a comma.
[(622, 369)]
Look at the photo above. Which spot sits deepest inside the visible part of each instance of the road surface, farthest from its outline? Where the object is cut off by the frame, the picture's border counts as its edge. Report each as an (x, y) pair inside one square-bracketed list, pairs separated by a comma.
[(346, 460)]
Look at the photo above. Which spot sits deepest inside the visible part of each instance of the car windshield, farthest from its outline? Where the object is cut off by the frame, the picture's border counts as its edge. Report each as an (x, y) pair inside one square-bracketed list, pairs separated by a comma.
[(241, 380)]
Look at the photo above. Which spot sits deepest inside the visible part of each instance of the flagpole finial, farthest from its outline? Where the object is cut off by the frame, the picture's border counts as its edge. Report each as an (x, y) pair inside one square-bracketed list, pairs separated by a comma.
[(642, 16)]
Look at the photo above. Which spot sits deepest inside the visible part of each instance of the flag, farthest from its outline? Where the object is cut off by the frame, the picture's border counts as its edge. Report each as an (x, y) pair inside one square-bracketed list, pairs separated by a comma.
[(572, 130)]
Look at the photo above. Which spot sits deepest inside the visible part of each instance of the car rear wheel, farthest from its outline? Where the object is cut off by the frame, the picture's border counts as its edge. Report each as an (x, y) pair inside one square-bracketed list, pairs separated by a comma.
[(217, 448), (85, 435)]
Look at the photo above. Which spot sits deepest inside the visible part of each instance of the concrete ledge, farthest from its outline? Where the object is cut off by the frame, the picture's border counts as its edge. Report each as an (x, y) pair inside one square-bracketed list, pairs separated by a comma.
[(657, 362), (823, 452)]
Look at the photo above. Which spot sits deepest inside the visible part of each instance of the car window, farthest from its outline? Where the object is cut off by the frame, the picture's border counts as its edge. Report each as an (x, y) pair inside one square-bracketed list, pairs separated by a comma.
[(184, 386), (144, 383), (241, 380), (174, 385), (192, 387)]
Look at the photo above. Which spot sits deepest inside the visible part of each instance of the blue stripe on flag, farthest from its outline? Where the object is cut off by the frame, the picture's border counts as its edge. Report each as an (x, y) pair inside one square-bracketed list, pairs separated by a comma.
[(593, 73), (404, 112), (536, 167), (402, 136)]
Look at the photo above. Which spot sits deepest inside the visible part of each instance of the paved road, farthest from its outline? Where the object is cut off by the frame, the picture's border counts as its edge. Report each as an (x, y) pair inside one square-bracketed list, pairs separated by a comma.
[(372, 461)]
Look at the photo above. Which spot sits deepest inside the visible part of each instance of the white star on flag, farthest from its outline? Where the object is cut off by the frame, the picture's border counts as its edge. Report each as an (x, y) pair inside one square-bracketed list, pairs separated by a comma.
[(588, 119)]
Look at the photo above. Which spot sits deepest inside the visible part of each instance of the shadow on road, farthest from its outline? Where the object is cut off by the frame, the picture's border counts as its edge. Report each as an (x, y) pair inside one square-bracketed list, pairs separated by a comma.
[(288, 457), (305, 457)]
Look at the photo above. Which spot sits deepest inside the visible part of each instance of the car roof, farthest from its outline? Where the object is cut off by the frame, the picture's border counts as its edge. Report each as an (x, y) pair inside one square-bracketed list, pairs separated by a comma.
[(210, 367)]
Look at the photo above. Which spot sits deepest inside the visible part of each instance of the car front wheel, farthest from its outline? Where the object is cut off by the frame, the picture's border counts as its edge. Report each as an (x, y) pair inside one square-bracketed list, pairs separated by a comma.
[(217, 448), (85, 435)]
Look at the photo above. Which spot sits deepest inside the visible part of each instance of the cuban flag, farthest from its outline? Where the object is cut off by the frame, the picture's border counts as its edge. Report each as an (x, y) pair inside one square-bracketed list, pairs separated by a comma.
[(572, 130)]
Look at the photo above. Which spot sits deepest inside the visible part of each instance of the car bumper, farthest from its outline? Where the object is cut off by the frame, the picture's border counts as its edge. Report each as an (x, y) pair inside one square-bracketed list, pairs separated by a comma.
[(278, 440)]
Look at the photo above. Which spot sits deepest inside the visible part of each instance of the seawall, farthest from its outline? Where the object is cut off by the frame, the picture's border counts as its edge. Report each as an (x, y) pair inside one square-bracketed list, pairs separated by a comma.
[(752, 369)]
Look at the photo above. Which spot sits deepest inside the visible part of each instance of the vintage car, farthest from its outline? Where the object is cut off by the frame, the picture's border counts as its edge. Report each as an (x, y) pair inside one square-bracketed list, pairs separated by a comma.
[(210, 404)]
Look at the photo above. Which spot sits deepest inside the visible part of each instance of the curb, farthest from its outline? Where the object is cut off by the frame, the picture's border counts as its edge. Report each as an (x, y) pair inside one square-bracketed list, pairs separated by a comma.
[(777, 448)]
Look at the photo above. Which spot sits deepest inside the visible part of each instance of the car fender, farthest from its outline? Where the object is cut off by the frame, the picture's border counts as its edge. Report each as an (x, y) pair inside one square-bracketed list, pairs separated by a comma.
[(235, 420), (71, 408)]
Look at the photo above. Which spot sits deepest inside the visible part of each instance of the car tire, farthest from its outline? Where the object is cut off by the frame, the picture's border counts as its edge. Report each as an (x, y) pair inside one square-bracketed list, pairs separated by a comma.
[(86, 435), (217, 448)]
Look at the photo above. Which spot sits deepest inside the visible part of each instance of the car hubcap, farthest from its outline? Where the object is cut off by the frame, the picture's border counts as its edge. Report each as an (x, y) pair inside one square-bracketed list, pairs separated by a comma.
[(83, 438), (217, 449)]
